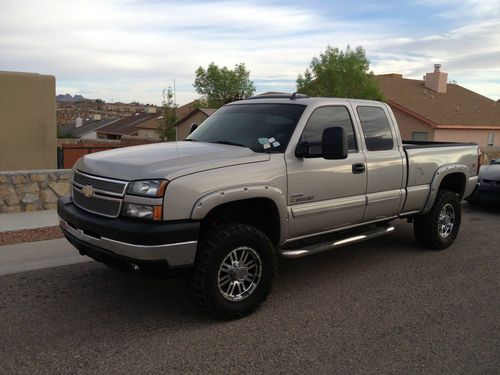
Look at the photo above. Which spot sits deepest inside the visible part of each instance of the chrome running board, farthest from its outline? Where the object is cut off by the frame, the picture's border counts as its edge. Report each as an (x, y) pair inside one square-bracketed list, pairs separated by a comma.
[(324, 246)]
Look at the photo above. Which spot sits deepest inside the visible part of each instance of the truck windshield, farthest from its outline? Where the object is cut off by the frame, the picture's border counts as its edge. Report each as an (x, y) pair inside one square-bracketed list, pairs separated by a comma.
[(260, 127)]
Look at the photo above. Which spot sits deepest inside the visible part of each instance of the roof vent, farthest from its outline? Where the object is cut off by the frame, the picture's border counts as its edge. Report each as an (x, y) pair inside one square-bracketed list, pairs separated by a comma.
[(437, 68)]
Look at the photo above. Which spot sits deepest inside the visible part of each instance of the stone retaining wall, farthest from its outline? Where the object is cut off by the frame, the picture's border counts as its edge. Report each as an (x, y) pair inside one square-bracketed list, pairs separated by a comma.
[(33, 190)]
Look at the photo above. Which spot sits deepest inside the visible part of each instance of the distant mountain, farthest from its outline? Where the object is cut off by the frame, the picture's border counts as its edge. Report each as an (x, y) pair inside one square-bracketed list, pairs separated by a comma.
[(67, 98)]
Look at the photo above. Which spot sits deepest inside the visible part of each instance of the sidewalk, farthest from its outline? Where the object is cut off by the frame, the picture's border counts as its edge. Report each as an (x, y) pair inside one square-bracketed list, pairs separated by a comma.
[(38, 255), (28, 220)]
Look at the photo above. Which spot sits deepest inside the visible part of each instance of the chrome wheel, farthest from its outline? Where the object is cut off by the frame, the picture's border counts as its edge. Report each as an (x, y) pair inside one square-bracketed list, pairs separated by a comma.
[(239, 274), (446, 220)]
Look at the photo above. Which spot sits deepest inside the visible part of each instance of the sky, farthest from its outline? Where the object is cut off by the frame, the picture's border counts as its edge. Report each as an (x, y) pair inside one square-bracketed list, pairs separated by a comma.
[(129, 50)]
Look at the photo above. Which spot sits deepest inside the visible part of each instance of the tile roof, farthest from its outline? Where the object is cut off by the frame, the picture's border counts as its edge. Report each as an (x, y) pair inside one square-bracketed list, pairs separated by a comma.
[(458, 106), (87, 127)]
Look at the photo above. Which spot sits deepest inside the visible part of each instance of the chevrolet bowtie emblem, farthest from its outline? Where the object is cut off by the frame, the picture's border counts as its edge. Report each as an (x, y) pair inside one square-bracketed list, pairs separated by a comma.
[(88, 191)]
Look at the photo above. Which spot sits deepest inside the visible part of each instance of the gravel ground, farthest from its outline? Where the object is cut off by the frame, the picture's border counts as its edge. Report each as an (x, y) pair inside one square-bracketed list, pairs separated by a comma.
[(30, 235), (382, 306)]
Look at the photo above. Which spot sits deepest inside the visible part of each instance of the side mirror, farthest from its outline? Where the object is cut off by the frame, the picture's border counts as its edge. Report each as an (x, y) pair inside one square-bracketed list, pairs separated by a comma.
[(193, 128), (334, 143)]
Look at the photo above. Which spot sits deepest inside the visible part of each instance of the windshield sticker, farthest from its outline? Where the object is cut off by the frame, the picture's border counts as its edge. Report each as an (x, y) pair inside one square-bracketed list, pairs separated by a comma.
[(268, 142), (263, 141)]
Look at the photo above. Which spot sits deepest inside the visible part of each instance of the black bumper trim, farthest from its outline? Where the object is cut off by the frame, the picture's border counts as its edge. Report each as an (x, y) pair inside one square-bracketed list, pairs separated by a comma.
[(128, 230)]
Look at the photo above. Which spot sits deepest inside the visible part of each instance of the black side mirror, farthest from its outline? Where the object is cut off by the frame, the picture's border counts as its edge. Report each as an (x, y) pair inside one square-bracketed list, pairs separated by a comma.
[(334, 143), (193, 128)]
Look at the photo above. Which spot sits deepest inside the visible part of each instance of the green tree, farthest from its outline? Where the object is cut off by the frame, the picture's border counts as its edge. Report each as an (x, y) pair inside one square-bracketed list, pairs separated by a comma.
[(343, 74), (222, 85), (166, 130)]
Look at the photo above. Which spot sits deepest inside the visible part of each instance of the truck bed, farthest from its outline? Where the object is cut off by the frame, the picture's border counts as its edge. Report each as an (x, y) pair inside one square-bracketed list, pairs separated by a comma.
[(424, 158), (409, 144)]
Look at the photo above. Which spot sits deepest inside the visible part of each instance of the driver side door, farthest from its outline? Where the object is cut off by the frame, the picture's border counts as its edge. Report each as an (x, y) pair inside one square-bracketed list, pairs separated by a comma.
[(326, 194)]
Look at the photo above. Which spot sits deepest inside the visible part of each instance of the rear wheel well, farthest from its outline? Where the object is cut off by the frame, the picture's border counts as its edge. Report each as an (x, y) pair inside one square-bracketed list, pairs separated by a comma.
[(454, 182), (260, 213)]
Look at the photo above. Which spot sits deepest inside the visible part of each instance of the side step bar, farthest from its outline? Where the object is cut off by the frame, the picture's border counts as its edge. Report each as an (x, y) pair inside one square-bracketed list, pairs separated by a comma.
[(324, 246)]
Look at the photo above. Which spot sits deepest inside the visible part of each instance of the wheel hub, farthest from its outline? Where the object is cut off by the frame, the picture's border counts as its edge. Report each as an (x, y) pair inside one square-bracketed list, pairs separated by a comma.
[(446, 220), (239, 274)]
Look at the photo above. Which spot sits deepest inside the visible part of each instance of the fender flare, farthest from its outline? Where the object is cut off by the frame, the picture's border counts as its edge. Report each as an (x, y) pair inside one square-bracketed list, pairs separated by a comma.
[(214, 199), (438, 177)]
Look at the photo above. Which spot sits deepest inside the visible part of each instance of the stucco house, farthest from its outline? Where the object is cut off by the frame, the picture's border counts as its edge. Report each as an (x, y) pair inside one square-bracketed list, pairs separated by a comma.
[(196, 116), (434, 110)]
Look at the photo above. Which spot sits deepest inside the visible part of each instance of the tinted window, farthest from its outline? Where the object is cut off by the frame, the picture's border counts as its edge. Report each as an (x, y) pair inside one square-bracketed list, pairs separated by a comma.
[(378, 135), (260, 127), (326, 117)]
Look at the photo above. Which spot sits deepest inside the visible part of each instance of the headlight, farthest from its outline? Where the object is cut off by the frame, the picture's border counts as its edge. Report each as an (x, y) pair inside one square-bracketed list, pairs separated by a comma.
[(142, 211), (147, 188)]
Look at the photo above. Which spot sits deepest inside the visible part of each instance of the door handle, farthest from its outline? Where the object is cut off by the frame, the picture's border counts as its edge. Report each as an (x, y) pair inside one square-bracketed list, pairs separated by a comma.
[(358, 168)]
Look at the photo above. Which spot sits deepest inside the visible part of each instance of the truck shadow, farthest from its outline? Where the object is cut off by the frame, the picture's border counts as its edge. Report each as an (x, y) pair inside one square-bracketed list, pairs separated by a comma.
[(490, 207), (103, 299)]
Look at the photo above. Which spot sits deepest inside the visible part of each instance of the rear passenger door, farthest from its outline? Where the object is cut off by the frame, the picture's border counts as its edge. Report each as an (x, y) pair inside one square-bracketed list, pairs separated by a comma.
[(385, 185), (326, 194)]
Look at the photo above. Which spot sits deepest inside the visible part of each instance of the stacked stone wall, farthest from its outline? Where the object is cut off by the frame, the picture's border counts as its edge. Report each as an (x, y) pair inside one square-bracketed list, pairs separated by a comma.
[(35, 190)]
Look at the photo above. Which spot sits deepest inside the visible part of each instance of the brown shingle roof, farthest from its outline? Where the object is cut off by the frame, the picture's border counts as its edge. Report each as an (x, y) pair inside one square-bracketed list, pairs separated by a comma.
[(458, 106), (207, 111), (127, 125)]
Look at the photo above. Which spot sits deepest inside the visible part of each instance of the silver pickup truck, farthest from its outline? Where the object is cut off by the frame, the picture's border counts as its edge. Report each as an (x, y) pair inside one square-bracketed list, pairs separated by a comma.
[(263, 178)]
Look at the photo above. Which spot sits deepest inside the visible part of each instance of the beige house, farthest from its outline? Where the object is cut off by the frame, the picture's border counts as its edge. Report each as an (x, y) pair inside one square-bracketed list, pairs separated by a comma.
[(196, 116), (28, 122), (434, 110)]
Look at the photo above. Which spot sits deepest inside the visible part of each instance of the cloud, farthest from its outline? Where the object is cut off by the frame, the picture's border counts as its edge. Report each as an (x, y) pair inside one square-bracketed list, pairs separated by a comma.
[(130, 50)]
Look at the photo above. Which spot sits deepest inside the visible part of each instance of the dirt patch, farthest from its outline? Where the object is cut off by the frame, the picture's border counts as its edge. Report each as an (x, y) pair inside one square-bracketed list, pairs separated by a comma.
[(30, 235)]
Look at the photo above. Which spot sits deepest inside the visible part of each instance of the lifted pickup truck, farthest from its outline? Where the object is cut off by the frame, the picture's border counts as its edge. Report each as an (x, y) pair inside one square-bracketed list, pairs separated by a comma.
[(264, 177)]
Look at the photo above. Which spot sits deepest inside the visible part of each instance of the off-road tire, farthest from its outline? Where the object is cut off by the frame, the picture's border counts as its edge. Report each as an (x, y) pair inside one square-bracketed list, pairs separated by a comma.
[(426, 227), (215, 244)]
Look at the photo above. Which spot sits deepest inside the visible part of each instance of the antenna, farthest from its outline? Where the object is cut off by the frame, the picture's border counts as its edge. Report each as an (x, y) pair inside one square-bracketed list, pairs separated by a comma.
[(175, 101)]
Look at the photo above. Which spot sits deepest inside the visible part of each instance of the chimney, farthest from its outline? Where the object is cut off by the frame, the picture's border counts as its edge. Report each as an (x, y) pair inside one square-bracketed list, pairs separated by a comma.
[(78, 122), (437, 80)]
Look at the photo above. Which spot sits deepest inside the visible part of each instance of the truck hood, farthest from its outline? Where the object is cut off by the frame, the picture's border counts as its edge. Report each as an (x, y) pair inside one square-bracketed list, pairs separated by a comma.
[(165, 160)]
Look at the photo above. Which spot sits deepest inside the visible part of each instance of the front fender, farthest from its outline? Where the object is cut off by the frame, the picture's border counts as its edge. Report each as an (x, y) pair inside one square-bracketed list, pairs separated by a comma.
[(214, 199)]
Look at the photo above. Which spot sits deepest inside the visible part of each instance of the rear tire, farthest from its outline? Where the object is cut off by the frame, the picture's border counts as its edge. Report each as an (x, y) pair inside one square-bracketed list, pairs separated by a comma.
[(234, 270), (438, 228)]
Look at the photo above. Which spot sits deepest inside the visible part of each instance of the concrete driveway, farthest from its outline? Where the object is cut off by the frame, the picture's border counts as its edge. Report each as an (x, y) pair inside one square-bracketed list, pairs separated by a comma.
[(384, 306)]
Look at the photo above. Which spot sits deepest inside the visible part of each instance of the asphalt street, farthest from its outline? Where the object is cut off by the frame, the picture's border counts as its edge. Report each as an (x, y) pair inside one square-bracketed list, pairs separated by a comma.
[(384, 306)]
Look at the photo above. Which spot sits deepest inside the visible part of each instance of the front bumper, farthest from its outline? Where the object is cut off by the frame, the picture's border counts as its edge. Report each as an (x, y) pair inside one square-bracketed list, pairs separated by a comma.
[(101, 238)]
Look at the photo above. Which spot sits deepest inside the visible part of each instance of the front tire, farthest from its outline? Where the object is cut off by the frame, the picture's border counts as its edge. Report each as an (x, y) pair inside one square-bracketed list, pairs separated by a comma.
[(438, 228), (234, 270)]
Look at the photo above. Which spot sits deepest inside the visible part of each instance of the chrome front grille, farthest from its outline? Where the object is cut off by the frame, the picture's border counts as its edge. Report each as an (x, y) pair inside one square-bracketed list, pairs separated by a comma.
[(100, 184), (99, 195)]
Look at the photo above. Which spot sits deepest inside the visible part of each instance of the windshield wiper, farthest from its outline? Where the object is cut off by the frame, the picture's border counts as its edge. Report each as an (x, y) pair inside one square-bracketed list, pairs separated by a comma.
[(229, 143), (190, 140)]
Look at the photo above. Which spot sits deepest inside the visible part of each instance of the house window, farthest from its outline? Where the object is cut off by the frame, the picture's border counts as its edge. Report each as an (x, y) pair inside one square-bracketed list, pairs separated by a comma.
[(491, 138), (419, 136)]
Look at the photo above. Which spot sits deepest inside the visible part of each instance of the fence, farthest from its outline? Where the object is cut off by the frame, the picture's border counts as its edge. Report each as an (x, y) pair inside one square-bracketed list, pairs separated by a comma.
[(70, 150)]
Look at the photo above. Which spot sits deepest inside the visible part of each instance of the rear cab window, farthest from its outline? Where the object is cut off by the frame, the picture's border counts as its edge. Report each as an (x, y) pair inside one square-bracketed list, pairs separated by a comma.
[(376, 128)]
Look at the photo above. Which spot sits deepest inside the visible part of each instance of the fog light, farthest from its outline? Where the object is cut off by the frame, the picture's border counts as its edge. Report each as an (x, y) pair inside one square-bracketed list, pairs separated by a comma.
[(142, 211)]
